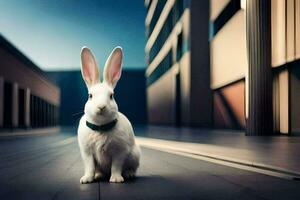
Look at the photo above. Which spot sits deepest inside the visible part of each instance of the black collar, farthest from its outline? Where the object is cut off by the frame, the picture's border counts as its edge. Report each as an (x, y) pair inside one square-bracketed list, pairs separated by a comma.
[(104, 127)]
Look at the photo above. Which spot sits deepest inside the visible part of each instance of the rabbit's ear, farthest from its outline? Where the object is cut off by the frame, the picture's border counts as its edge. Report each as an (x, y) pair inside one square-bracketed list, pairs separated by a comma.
[(113, 67), (89, 68)]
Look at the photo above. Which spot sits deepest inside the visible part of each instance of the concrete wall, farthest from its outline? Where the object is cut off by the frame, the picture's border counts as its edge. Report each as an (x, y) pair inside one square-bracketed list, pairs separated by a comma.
[(28, 98), (168, 101), (229, 52), (181, 95), (161, 100), (285, 63), (221, 82), (15, 71), (228, 63), (229, 106)]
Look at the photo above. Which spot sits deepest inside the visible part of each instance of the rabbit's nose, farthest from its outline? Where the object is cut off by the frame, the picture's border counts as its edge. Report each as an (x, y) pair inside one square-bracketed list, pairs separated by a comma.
[(101, 108)]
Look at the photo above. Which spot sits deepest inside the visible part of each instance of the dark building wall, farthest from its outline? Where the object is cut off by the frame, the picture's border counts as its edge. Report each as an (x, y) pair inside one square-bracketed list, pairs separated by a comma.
[(73, 95), (295, 98), (129, 94), (200, 91)]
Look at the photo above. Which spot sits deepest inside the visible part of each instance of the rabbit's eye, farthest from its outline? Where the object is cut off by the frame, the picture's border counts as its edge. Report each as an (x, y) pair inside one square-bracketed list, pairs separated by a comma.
[(90, 96), (111, 96)]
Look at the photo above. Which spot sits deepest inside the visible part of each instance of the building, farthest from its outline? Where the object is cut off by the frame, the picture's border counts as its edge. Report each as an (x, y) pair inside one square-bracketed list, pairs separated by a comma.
[(28, 99), (210, 67), (177, 77), (129, 94)]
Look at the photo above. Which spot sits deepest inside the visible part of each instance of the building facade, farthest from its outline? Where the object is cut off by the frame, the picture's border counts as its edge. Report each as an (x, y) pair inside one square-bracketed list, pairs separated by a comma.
[(28, 99), (211, 67), (176, 75)]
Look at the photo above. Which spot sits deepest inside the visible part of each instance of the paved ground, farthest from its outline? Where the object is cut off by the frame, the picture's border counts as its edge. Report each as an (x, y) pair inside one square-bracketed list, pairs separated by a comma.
[(277, 151), (49, 167)]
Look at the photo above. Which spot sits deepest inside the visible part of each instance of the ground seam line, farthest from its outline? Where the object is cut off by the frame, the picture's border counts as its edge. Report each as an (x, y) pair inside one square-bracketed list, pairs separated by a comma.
[(235, 164)]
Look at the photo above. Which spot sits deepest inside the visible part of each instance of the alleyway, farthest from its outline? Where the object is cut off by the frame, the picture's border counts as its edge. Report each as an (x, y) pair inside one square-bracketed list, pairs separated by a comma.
[(49, 167)]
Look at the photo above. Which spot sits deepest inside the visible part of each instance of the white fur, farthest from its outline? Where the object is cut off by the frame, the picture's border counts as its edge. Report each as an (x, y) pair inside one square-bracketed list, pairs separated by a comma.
[(112, 152)]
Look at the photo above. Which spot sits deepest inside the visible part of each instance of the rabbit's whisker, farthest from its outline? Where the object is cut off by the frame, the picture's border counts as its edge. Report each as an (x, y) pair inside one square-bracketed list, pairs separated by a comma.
[(77, 113)]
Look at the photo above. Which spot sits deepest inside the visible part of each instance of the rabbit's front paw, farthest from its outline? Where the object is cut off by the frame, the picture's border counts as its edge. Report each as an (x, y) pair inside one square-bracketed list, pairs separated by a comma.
[(116, 178), (86, 179)]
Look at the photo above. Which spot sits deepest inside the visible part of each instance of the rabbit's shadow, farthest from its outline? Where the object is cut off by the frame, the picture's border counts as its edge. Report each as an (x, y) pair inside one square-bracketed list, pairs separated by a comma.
[(135, 179), (106, 179), (143, 186)]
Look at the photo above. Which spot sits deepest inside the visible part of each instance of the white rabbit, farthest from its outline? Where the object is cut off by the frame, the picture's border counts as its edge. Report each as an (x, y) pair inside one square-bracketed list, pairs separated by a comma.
[(105, 136)]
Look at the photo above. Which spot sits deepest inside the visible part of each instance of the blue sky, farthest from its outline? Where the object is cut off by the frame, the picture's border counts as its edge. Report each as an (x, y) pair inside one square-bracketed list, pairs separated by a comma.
[(52, 32)]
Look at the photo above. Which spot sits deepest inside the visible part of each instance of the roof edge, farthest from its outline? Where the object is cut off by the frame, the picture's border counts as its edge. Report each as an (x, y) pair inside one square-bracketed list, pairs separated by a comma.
[(23, 58)]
